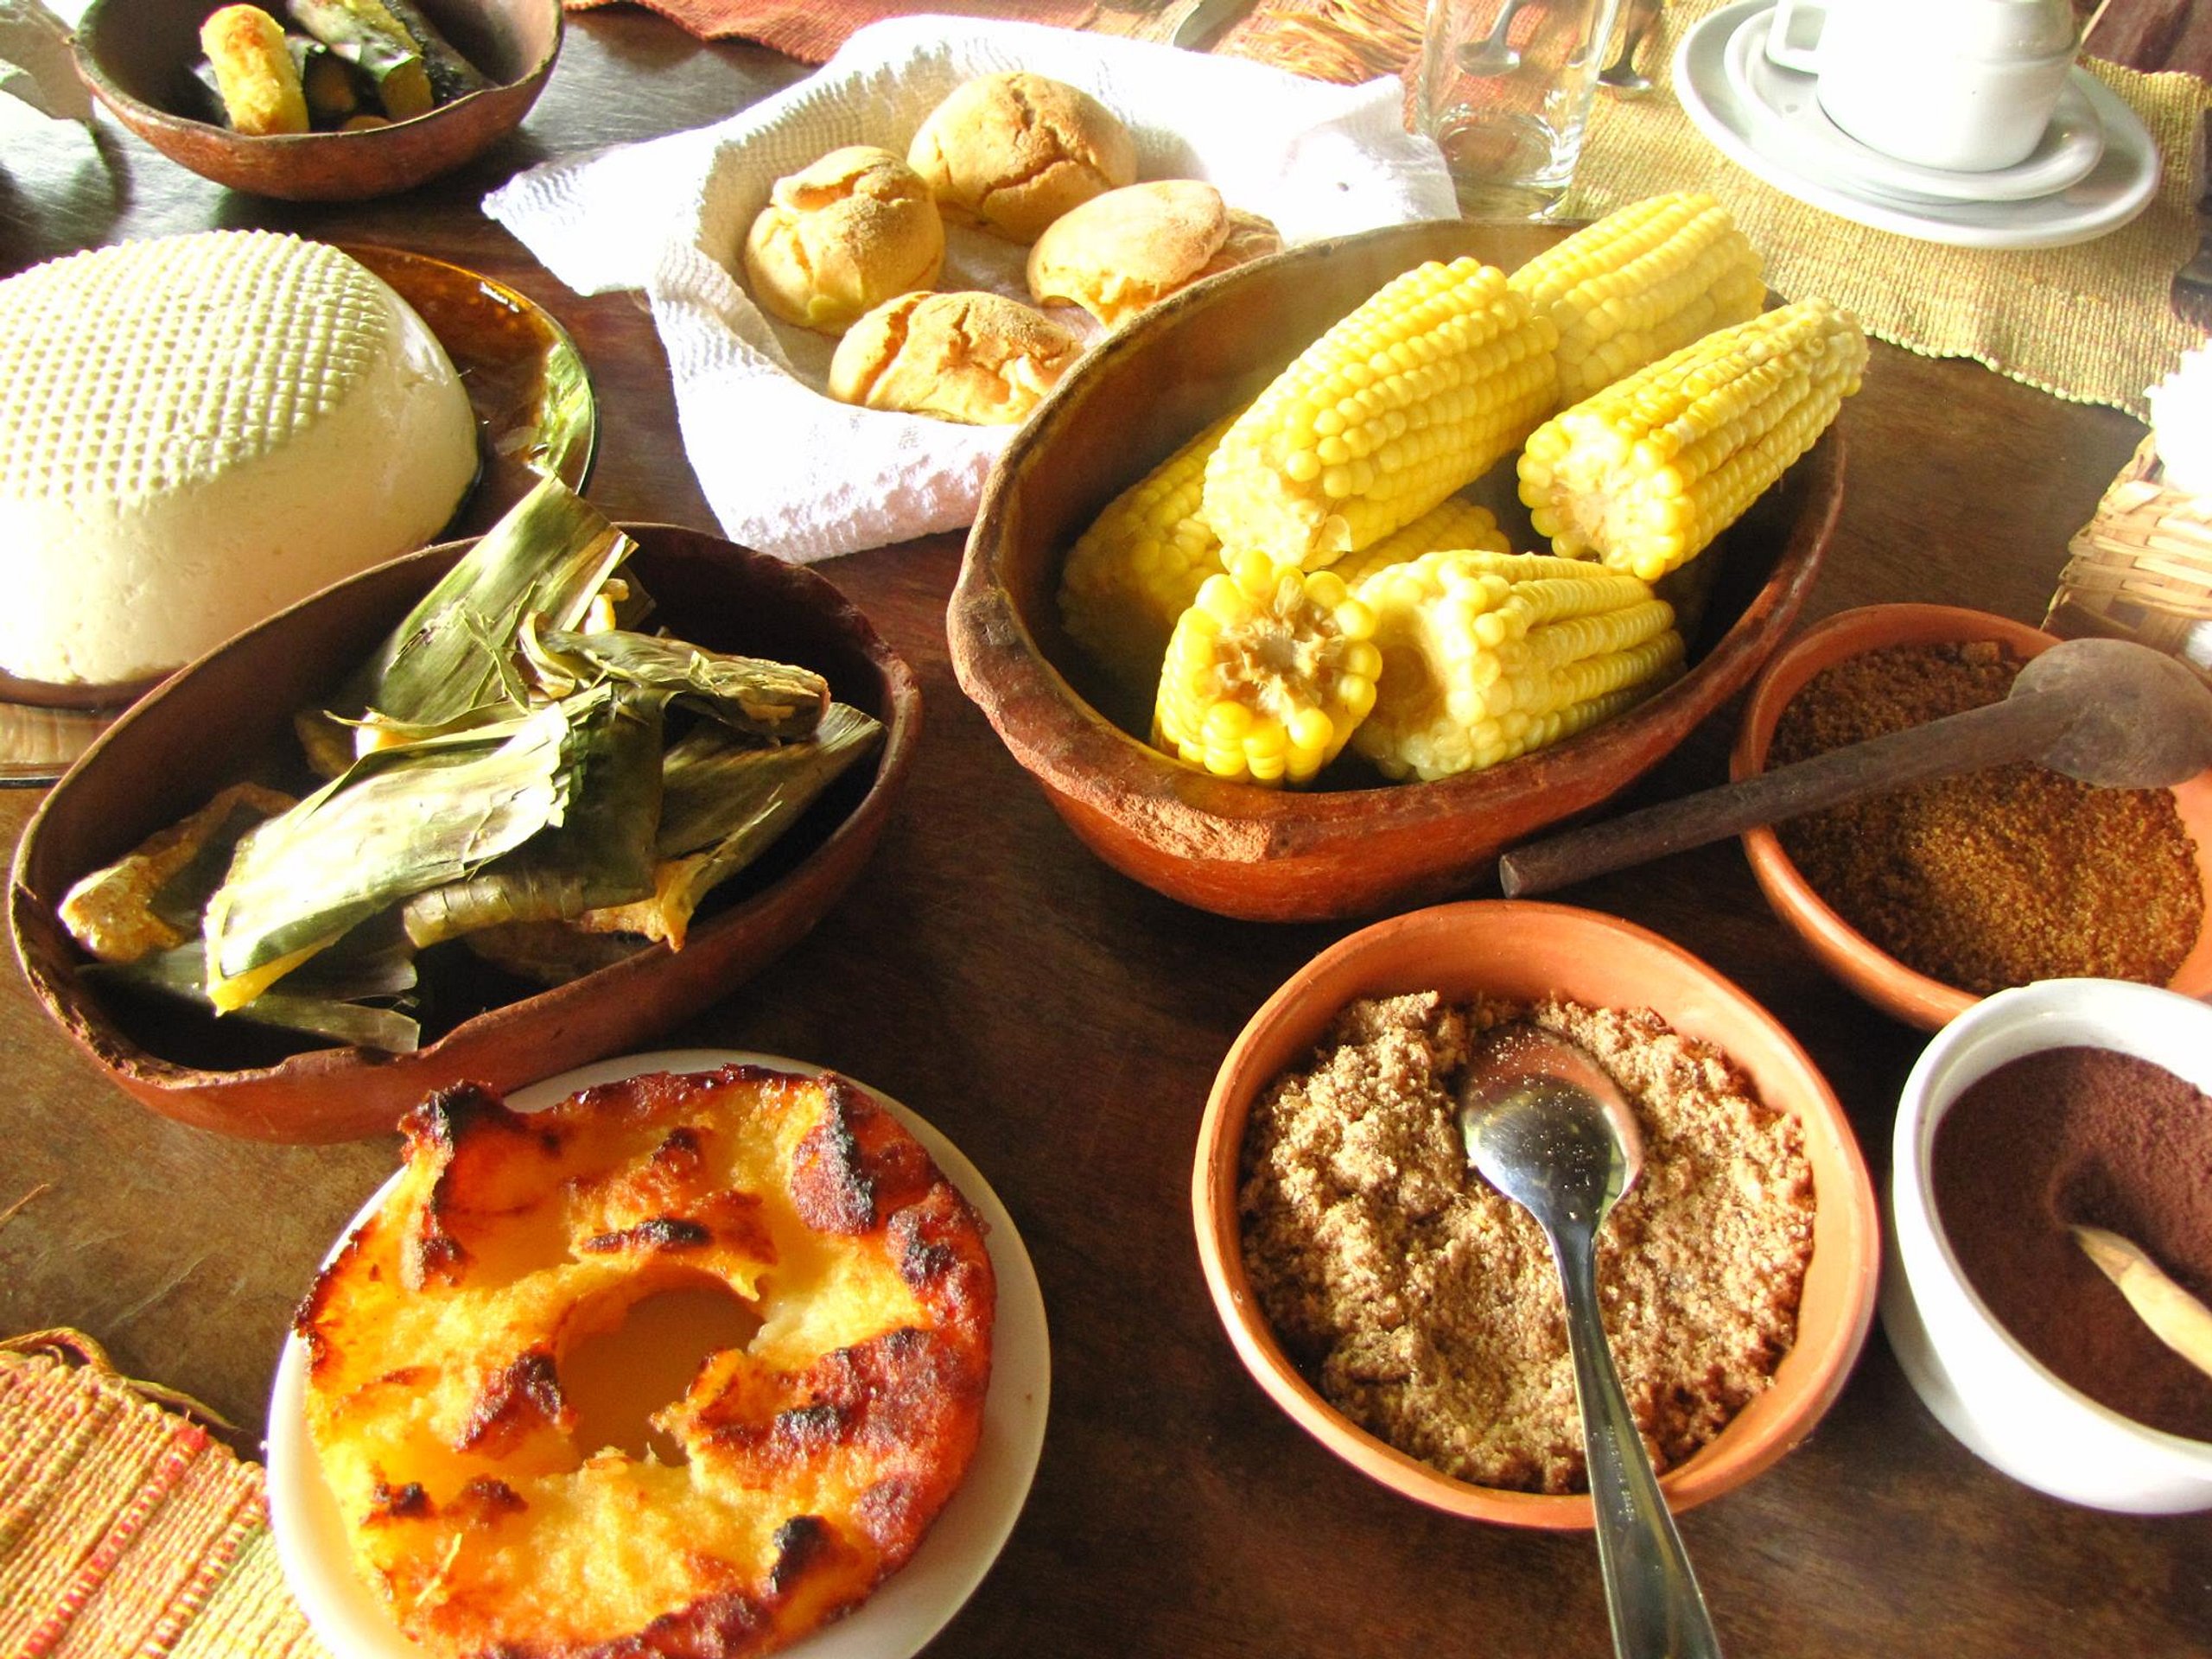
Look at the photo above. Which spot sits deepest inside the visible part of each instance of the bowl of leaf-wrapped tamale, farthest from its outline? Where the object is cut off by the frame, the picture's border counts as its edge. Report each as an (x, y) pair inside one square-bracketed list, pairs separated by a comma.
[(319, 100), (488, 812), (1260, 597)]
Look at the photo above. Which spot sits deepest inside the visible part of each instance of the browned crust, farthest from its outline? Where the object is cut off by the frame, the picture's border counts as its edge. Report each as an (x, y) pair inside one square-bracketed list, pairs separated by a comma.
[(902, 1410)]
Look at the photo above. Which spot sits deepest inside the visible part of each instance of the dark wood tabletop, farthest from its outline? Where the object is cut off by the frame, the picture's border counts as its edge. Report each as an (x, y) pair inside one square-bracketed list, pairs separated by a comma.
[(1062, 1025)]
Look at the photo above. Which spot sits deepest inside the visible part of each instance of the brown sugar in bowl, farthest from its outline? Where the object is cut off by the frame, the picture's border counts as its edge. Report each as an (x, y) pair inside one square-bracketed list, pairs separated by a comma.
[(136, 57), (1238, 849), (229, 716), (1523, 950), (1889, 984)]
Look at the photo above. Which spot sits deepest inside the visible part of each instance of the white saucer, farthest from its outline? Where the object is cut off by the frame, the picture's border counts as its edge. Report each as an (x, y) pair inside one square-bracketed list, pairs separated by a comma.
[(909, 1607), (1787, 108), (2113, 192)]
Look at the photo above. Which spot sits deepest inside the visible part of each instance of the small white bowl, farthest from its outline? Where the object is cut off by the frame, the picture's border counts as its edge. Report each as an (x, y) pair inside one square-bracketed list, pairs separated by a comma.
[(1981, 1384)]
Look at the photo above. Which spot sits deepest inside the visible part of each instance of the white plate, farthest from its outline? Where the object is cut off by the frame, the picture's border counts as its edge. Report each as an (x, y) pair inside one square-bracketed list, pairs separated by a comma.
[(2117, 189), (909, 1607), (1786, 106)]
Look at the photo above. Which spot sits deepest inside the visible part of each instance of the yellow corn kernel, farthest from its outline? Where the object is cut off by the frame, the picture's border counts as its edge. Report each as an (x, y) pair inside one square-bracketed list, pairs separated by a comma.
[(1415, 394), (1487, 656), (1649, 470), (1140, 565), (1267, 674), (1456, 523), (1640, 283)]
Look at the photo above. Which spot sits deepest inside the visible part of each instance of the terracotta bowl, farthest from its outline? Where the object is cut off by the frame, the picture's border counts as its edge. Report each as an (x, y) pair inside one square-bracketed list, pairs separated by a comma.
[(1871, 971), (136, 57), (229, 716), (1358, 846), (1521, 949)]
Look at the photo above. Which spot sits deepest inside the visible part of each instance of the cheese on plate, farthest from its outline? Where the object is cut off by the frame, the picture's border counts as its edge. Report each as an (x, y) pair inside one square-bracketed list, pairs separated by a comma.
[(196, 431)]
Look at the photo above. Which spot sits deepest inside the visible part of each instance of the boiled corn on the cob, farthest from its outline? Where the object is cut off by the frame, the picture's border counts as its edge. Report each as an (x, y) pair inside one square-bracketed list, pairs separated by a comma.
[(1487, 656), (1639, 284), (1458, 523), (1140, 566), (1649, 470), (1415, 393), (1267, 674)]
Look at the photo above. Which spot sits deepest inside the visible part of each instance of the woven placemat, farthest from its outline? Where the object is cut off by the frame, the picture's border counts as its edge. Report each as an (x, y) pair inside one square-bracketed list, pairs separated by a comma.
[(2088, 322), (125, 1527)]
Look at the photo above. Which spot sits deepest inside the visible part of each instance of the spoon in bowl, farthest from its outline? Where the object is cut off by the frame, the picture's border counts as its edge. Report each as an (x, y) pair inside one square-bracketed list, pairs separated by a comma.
[(1546, 1126), (2108, 712)]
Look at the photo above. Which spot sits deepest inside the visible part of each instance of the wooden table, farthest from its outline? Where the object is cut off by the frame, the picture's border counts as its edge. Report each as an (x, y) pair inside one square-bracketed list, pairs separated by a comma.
[(1062, 1026)]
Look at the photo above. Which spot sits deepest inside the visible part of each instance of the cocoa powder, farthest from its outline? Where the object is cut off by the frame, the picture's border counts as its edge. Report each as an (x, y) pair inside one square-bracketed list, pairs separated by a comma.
[(2083, 1135)]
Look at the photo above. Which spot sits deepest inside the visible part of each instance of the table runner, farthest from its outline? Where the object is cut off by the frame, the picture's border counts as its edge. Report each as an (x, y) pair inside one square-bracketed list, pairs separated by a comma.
[(2088, 322), (126, 1528)]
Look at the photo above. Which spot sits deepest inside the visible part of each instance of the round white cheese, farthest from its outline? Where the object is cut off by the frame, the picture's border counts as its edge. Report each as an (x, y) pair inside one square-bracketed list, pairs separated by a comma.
[(195, 431)]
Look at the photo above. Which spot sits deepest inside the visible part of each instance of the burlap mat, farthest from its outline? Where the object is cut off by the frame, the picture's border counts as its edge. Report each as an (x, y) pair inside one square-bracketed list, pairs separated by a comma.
[(2088, 322), (126, 1528)]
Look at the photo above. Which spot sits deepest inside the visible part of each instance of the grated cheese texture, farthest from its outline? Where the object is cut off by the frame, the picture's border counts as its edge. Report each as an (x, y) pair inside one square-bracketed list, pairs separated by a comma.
[(196, 431)]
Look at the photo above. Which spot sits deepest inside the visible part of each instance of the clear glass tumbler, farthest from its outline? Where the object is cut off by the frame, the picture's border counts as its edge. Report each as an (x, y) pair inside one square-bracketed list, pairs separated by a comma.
[(1504, 89)]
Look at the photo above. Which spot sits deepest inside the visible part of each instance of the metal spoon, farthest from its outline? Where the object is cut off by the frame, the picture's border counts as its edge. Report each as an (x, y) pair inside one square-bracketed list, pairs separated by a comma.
[(2108, 712), (1492, 56), (1546, 1127), (1621, 77)]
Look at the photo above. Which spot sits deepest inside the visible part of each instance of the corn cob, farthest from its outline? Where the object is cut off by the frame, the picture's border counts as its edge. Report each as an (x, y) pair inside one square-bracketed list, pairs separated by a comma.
[(1648, 471), (253, 72), (1486, 656), (1415, 393), (1140, 566), (1457, 525), (1639, 284), (1267, 674)]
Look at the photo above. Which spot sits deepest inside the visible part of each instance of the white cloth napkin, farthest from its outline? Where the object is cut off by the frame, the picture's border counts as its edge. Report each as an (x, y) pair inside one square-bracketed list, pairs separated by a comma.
[(785, 468)]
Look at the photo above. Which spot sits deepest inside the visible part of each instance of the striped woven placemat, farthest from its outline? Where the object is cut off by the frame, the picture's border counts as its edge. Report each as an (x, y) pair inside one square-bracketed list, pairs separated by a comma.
[(125, 1527)]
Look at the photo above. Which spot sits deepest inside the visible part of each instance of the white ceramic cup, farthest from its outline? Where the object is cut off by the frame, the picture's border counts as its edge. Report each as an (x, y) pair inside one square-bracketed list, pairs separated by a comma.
[(1967, 85)]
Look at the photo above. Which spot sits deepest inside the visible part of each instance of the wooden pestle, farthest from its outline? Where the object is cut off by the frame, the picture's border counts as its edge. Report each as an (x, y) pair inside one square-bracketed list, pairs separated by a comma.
[(2106, 711), (2172, 1314)]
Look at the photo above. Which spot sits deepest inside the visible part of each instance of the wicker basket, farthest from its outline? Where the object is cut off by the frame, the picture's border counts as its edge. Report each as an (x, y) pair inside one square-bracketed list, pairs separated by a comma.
[(2142, 569)]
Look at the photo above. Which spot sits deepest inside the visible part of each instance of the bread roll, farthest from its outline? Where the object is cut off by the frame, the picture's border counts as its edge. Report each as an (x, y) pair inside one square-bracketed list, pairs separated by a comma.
[(1013, 152), (978, 358), (842, 236), (1119, 253)]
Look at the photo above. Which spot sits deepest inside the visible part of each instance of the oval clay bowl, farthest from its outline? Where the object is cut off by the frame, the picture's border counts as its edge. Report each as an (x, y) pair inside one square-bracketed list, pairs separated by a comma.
[(1897, 990), (1523, 949), (229, 716), (137, 58), (1363, 847)]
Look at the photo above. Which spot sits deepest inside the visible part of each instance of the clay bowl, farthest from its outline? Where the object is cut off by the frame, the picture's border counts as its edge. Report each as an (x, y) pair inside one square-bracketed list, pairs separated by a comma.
[(1355, 847), (136, 57), (1522, 949), (1871, 971), (229, 716)]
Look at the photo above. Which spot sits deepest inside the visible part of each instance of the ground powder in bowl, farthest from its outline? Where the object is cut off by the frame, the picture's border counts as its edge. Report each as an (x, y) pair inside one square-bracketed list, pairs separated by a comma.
[(2088, 1136), (1425, 1305), (1989, 878)]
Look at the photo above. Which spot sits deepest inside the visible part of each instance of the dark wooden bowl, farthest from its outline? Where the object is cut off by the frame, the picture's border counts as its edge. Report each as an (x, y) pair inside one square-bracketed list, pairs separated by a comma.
[(229, 716), (1358, 846), (136, 57)]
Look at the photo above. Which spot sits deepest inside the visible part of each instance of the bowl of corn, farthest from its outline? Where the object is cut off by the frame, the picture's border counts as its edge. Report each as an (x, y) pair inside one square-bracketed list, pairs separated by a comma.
[(1356, 693)]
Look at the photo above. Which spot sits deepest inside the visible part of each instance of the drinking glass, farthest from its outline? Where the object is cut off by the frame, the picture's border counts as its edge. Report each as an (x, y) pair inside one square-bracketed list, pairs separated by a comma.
[(1505, 88)]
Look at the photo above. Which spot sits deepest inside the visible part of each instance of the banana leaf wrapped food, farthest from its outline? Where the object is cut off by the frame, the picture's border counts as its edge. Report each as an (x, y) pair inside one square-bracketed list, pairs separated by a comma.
[(519, 765)]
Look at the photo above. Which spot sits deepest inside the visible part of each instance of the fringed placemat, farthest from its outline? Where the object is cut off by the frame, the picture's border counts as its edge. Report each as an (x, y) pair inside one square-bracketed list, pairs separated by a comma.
[(125, 1527), (2088, 322)]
